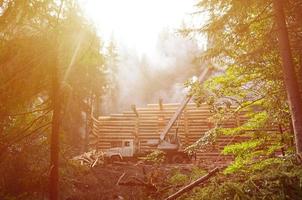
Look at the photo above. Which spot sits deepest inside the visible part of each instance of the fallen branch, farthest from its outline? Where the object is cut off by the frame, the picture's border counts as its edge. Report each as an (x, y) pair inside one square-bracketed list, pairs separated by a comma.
[(95, 162), (193, 184), (120, 178)]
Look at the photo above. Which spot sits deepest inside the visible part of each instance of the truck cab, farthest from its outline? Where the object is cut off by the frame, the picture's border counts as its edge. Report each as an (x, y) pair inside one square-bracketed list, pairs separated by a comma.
[(126, 149)]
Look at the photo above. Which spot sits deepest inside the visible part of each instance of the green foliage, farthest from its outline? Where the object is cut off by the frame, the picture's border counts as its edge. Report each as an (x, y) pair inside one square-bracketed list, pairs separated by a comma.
[(197, 90), (197, 172), (243, 44), (156, 157), (279, 180), (207, 139), (178, 178), (256, 121), (35, 37)]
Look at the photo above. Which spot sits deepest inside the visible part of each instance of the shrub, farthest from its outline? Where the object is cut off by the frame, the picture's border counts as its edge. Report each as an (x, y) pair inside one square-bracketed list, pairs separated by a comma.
[(155, 157)]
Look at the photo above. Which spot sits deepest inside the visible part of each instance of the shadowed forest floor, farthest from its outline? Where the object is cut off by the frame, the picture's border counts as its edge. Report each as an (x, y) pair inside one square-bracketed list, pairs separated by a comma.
[(133, 180)]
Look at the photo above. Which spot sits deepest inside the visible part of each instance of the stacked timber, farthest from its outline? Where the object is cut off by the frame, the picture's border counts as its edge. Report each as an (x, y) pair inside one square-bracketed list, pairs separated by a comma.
[(145, 124)]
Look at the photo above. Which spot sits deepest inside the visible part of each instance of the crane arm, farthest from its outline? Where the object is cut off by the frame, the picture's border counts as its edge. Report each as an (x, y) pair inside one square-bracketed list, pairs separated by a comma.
[(181, 107)]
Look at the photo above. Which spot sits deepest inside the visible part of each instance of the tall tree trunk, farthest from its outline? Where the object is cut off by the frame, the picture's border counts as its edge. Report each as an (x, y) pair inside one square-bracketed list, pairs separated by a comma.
[(55, 134), (289, 74), (54, 143)]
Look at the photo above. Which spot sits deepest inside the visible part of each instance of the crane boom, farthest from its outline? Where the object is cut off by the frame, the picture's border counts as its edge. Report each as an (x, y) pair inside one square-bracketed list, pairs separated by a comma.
[(181, 107)]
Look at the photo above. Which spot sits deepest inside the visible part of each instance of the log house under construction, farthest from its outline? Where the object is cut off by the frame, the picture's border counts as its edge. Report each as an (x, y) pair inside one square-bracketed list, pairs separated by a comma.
[(143, 124)]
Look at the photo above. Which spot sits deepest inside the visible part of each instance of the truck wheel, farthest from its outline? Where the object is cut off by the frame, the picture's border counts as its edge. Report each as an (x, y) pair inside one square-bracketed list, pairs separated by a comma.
[(115, 158), (177, 159)]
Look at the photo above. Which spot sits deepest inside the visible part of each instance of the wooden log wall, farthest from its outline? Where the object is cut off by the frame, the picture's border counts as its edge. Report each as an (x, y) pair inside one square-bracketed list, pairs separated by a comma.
[(147, 123)]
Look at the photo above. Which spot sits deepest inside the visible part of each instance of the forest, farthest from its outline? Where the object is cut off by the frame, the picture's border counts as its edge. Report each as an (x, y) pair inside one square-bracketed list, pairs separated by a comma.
[(220, 95)]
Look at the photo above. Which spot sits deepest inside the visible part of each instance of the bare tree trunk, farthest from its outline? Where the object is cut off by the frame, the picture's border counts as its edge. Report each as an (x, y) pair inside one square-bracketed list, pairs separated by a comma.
[(289, 74), (56, 102), (54, 142)]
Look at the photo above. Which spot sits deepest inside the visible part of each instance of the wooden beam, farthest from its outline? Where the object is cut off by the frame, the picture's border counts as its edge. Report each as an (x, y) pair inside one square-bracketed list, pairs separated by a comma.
[(186, 127), (192, 185), (133, 107), (136, 129), (137, 137), (160, 103)]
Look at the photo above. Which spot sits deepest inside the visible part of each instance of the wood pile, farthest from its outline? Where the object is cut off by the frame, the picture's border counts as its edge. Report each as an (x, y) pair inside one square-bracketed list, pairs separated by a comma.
[(143, 124)]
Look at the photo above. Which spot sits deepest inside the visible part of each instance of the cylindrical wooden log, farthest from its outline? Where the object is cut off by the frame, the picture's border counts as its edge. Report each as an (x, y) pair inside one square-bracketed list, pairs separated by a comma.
[(193, 184)]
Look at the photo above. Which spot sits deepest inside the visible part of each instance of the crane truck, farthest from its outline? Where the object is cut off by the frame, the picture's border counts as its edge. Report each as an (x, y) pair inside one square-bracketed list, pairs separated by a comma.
[(168, 143)]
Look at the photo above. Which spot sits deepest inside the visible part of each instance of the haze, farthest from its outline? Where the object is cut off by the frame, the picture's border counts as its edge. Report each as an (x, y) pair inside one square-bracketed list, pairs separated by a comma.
[(137, 23)]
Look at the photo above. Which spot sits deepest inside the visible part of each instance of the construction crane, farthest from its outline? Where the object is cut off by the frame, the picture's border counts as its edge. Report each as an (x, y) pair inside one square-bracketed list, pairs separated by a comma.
[(172, 145)]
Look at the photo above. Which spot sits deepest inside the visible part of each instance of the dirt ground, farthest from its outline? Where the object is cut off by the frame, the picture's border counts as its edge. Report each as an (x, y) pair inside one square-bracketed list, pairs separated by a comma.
[(131, 180), (126, 180)]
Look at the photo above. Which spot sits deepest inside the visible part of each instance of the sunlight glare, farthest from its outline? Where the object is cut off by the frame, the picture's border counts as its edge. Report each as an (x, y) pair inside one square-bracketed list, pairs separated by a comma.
[(136, 23)]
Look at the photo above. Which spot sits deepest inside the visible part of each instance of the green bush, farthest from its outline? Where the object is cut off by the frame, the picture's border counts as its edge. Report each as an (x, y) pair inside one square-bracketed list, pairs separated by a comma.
[(281, 180), (155, 157), (178, 178)]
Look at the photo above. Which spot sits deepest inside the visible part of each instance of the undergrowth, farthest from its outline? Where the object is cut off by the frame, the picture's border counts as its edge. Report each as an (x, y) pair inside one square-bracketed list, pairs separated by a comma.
[(281, 180)]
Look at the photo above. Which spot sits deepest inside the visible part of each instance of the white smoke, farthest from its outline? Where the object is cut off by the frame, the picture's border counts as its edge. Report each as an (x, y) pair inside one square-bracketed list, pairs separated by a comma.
[(145, 79)]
